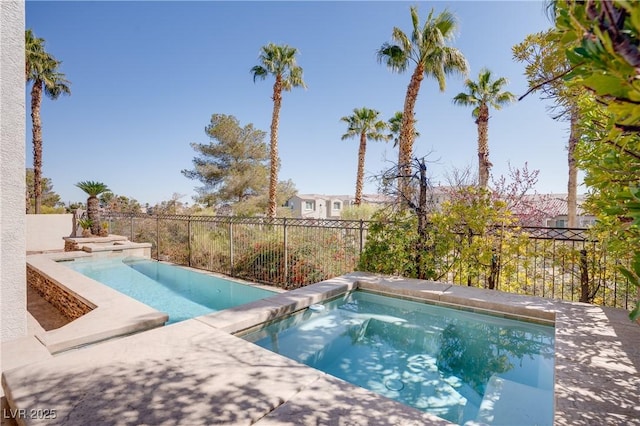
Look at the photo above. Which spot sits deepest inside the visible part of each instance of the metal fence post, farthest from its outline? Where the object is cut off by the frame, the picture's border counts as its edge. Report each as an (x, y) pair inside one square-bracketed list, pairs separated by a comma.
[(231, 247), (189, 239), (361, 236), (157, 237), (286, 257), (131, 230)]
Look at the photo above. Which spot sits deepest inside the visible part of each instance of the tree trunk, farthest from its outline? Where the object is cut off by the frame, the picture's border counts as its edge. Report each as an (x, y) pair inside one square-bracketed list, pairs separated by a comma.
[(275, 161), (36, 130), (494, 271), (572, 183), (93, 213), (360, 176), (484, 165), (584, 277), (407, 133)]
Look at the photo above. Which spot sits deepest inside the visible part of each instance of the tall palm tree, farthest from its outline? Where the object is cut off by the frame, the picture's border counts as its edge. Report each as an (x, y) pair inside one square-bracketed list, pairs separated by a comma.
[(395, 124), (93, 189), (481, 95), (41, 69), (427, 49), (364, 123), (279, 61)]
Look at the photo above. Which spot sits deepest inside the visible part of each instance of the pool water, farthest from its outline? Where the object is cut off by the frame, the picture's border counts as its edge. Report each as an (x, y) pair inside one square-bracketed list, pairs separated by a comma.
[(456, 364), (179, 292)]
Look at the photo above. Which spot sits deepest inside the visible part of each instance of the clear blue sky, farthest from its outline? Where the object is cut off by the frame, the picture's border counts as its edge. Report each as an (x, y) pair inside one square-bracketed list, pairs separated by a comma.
[(147, 76)]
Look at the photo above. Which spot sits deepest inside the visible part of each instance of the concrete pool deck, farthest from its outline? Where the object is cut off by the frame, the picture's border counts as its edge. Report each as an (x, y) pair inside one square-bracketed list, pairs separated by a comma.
[(196, 372)]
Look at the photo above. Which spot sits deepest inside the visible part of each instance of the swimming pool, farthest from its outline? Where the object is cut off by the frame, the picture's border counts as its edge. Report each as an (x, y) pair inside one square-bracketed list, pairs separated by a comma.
[(459, 365), (179, 292)]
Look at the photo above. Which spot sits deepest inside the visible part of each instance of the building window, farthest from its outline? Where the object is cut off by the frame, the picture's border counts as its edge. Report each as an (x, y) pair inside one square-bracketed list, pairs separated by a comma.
[(336, 205), (308, 205), (586, 222)]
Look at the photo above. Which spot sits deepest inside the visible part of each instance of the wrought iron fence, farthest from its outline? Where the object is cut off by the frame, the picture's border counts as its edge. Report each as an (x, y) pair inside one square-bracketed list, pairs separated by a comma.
[(565, 264), (285, 252), (549, 262)]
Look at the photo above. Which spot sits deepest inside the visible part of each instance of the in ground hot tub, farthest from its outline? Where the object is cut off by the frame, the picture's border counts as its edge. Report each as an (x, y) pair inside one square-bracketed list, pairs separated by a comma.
[(459, 365)]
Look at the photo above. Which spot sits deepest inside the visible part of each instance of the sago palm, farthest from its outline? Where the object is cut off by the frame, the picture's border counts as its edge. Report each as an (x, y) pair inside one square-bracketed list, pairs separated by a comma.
[(93, 189), (41, 69), (280, 62), (481, 95), (426, 49), (364, 123)]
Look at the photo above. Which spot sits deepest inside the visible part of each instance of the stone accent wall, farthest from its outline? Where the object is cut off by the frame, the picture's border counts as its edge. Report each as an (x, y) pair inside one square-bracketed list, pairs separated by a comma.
[(71, 246), (67, 303)]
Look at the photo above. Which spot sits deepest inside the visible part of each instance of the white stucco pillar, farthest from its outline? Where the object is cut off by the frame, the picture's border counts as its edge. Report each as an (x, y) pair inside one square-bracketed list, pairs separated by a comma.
[(13, 297)]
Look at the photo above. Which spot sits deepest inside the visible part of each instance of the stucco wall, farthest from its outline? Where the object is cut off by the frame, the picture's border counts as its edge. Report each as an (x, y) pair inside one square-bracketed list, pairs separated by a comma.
[(45, 231), (13, 289)]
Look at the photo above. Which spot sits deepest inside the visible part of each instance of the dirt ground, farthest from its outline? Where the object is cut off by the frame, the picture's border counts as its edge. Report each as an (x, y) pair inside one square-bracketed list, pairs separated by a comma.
[(44, 312)]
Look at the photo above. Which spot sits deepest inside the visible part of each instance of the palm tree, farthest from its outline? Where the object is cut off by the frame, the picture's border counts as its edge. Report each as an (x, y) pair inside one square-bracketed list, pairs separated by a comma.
[(395, 123), (365, 124), (427, 49), (93, 189), (481, 95), (41, 69), (279, 61)]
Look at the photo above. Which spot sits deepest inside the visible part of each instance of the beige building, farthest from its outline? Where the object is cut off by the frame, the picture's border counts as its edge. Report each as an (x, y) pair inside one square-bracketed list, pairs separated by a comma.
[(318, 206), (321, 206)]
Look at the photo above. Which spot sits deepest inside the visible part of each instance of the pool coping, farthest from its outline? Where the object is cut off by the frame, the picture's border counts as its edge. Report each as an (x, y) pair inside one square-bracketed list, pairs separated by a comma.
[(112, 313), (596, 369)]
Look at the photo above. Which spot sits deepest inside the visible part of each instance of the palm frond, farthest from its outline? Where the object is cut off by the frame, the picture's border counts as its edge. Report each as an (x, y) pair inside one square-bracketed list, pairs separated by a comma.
[(294, 79), (402, 40), (393, 57), (92, 188), (279, 60), (447, 25), (365, 121), (43, 68), (259, 72), (484, 91)]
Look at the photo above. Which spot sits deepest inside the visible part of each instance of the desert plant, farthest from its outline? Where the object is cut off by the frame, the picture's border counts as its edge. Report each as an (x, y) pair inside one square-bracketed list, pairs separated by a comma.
[(93, 189), (86, 224), (104, 230)]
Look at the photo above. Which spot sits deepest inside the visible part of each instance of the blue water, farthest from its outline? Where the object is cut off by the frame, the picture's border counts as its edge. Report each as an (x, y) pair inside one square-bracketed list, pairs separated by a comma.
[(439, 360), (179, 292)]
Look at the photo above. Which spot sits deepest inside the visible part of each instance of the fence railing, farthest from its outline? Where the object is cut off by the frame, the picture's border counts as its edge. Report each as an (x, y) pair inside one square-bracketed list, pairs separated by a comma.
[(565, 264), (288, 252)]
